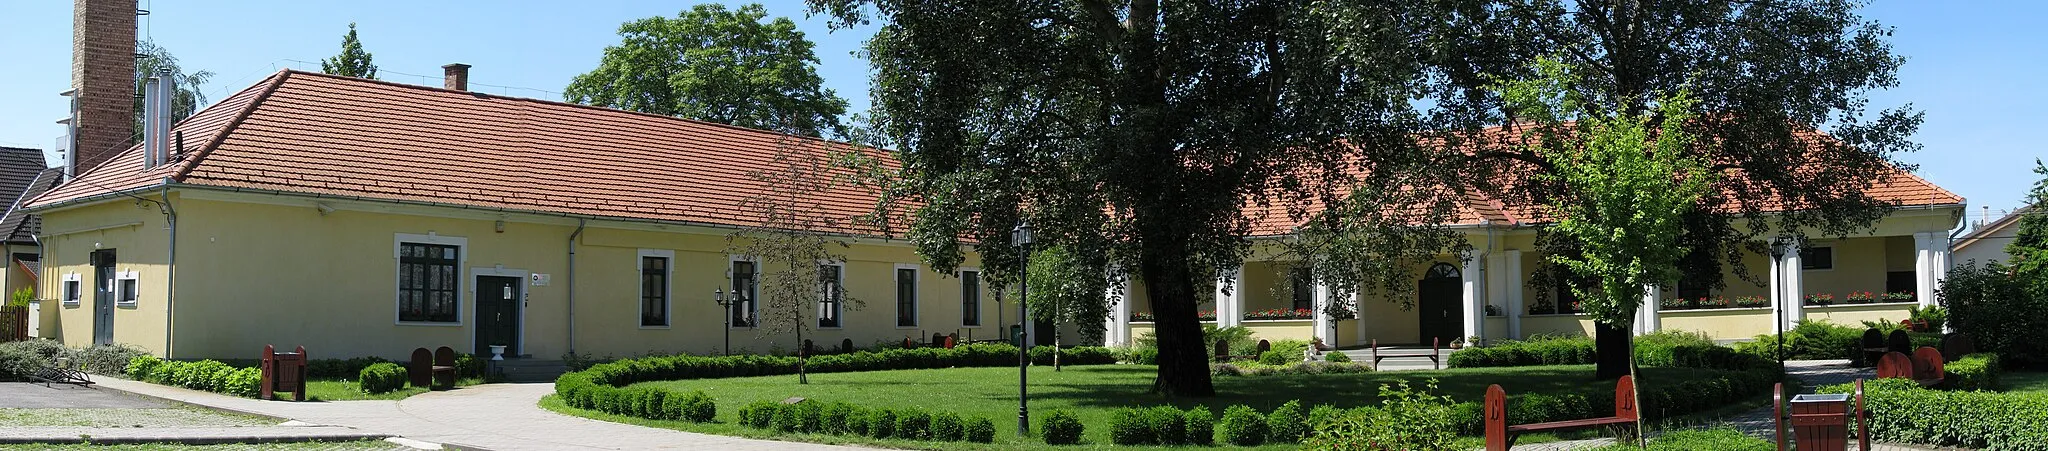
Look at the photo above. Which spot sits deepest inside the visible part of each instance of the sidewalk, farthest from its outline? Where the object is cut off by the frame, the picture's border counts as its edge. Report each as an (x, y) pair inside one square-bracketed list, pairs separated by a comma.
[(490, 416)]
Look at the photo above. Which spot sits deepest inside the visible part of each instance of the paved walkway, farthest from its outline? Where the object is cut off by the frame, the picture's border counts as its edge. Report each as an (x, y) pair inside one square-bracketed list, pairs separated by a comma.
[(1401, 363), (490, 416)]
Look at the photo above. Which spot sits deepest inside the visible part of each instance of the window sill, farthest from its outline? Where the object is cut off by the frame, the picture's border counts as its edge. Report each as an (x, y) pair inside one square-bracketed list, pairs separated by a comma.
[(647, 327), (911, 327), (428, 323), (831, 327), (128, 305), (70, 304)]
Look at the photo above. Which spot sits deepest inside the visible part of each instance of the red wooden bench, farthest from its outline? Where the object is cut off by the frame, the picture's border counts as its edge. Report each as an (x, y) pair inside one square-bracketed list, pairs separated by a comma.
[(1434, 348), (1923, 367), (1500, 435)]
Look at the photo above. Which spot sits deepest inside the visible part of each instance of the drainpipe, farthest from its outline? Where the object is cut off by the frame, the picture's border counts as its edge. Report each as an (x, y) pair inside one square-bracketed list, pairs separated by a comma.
[(572, 284), (170, 266)]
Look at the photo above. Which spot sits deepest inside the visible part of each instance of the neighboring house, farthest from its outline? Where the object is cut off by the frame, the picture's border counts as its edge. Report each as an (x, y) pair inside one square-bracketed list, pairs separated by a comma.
[(1486, 295), (361, 217), (23, 175), (1987, 242)]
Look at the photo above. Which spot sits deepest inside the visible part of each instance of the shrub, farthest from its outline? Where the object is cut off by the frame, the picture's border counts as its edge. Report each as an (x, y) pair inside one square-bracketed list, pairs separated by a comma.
[(857, 421), (1902, 412), (786, 418), (1275, 357), (1261, 369), (947, 427), (142, 366), (913, 424), (882, 423), (19, 359), (1131, 426), (1320, 414), (832, 420), (1168, 425), (1337, 357), (1286, 424), (381, 378), (1973, 372), (981, 430), (1060, 428), (760, 414), (692, 406), (1243, 426), (245, 382), (1200, 426), (106, 359), (2001, 309), (1407, 419)]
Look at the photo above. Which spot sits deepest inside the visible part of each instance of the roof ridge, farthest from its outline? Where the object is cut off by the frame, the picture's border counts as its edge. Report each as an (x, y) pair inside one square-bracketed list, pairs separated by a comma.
[(206, 149), (567, 104)]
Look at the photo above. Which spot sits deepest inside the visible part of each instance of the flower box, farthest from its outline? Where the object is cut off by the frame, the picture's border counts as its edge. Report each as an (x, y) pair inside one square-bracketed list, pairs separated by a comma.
[(1279, 313), (1752, 302), (1822, 299)]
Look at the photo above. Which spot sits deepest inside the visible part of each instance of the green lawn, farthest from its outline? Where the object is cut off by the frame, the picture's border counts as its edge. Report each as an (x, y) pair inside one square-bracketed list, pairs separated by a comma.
[(2035, 381), (346, 390), (1090, 392)]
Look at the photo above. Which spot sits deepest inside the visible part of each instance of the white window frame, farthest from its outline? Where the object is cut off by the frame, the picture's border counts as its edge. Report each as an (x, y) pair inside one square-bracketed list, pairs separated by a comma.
[(915, 300), (825, 294), (133, 298), (461, 261), (668, 283), (753, 305), (72, 288), (981, 292)]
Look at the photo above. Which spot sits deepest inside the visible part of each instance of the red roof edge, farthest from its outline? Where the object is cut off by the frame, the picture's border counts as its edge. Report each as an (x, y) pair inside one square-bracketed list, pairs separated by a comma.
[(229, 129)]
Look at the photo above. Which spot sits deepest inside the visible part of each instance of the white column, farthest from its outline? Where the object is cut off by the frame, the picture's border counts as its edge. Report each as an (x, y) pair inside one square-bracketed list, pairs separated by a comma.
[(1117, 331), (1928, 269), (1474, 276), (1646, 317), (1792, 285), (1322, 315), (1230, 298), (1358, 325), (1030, 327), (1513, 288)]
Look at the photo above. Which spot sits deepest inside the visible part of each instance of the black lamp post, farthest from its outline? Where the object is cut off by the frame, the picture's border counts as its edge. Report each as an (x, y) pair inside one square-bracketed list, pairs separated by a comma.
[(1777, 282), (1021, 236), (737, 299)]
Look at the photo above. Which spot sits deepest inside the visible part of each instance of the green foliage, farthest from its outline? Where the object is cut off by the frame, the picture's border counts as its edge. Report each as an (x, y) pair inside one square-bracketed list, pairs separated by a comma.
[(1060, 428), (1902, 412), (1168, 424), (714, 64), (1408, 418), (882, 423), (18, 359), (981, 430), (142, 366), (913, 424), (382, 378), (759, 414), (833, 418), (353, 61), (1066, 288), (1275, 357), (245, 382), (946, 427), (1337, 357), (1934, 316), (2028, 251), (1721, 439), (1973, 372), (1286, 424), (1131, 426), (2001, 309), (1811, 340), (1200, 426), (106, 359), (1627, 184), (21, 297), (1257, 369), (1243, 426), (150, 60)]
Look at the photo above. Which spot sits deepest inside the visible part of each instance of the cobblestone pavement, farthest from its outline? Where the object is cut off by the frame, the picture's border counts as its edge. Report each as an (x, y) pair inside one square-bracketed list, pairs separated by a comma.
[(36, 416), (368, 445), (161, 417)]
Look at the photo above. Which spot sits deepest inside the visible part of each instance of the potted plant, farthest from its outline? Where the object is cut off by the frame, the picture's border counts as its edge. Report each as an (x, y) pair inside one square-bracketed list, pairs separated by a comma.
[(1821, 299), (1899, 296), (1458, 343), (1752, 302), (1862, 297)]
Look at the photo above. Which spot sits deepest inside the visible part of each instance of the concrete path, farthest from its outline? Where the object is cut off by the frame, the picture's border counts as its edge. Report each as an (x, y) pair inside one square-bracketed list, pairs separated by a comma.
[(186, 435), (1401, 363), (490, 416)]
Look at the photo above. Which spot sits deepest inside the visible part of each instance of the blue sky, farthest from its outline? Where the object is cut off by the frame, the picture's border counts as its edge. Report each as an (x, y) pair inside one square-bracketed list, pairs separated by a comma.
[(1974, 70)]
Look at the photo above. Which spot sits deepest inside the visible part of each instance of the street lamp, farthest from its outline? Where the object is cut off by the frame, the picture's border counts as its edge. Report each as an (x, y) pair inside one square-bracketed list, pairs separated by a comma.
[(727, 304), (1022, 237), (1777, 278)]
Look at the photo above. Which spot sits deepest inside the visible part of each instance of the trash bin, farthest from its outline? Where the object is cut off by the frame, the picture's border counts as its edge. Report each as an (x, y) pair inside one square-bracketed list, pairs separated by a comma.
[(1821, 422)]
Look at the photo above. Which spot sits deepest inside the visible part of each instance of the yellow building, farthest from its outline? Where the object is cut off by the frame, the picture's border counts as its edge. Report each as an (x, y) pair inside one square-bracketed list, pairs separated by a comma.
[(359, 217)]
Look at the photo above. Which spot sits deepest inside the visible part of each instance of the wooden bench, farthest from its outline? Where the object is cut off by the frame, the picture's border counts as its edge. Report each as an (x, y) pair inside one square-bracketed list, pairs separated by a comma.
[(1223, 354), (1873, 346), (1500, 436), (1435, 346), (1923, 367), (1955, 346), (1898, 342), (434, 370)]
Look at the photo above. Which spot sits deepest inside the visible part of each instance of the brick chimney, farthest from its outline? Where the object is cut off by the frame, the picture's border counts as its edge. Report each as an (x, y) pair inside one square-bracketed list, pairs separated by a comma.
[(455, 76), (103, 79)]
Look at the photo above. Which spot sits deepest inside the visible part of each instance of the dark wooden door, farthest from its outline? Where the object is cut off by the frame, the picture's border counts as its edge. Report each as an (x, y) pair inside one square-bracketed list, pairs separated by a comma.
[(103, 296), (497, 314), (1439, 304)]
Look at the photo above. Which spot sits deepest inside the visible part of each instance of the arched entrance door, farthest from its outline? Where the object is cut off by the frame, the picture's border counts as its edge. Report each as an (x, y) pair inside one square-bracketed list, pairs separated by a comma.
[(1439, 304)]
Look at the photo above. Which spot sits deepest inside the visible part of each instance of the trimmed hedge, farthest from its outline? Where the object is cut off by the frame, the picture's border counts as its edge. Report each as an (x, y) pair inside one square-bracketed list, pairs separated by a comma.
[(1286, 424), (1337, 357), (981, 430), (381, 378), (1061, 428), (205, 375), (1973, 372), (1261, 369), (1651, 350), (19, 359), (1243, 426), (1131, 426), (840, 418), (1902, 412), (1200, 426)]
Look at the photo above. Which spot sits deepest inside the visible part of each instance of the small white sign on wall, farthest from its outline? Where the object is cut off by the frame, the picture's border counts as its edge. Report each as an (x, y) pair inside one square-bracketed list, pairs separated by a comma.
[(540, 280)]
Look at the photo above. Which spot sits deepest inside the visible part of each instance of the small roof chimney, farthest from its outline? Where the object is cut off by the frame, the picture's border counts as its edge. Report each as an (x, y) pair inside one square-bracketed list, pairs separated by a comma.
[(455, 76)]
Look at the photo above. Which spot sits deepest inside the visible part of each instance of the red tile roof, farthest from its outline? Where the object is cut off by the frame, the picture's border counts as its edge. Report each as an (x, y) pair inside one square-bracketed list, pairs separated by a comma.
[(326, 135), (311, 133)]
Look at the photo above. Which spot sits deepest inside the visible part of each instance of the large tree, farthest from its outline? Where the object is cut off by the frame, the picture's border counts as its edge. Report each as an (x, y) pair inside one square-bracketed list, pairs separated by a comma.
[(352, 61), (715, 64), (1137, 132), (1769, 79), (151, 60)]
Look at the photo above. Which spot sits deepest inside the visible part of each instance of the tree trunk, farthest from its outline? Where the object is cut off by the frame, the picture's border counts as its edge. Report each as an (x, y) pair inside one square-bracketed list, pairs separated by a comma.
[(1612, 344), (1183, 367)]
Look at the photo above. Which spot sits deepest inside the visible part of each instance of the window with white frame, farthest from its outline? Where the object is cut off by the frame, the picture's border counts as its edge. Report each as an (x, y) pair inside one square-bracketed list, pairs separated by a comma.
[(654, 287), (73, 285), (906, 296), (970, 297), (429, 282), (744, 291), (127, 288), (1817, 257), (832, 287)]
